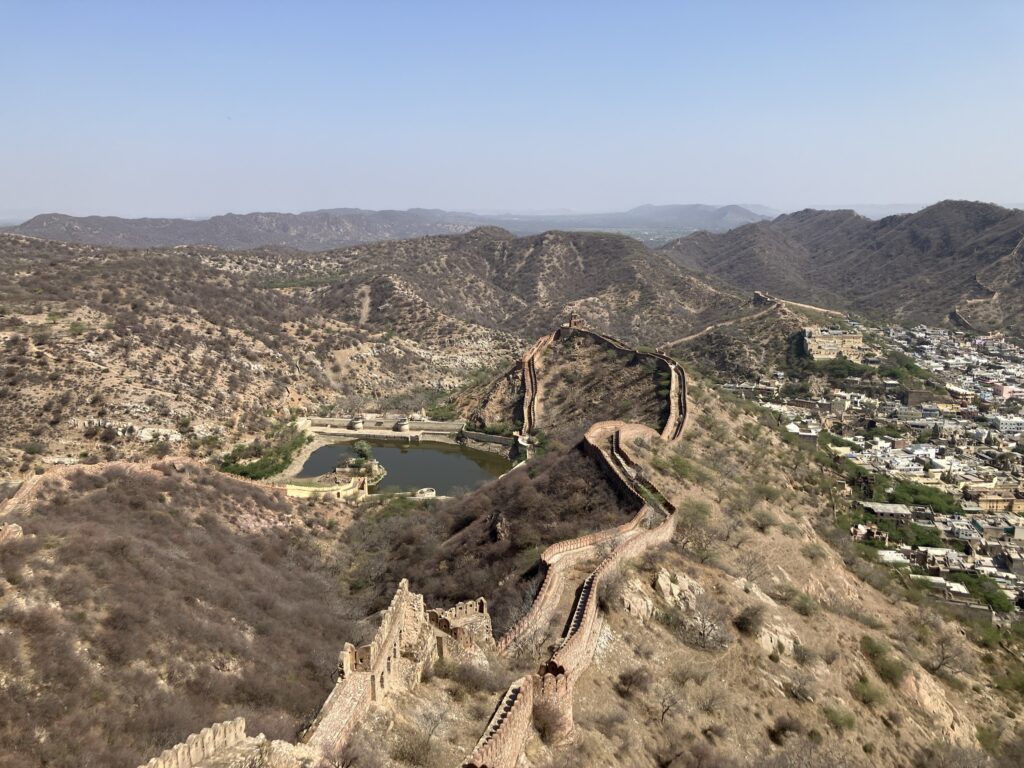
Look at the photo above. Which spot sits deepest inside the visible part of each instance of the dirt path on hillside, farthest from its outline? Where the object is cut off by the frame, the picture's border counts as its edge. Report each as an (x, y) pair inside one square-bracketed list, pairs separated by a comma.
[(722, 324)]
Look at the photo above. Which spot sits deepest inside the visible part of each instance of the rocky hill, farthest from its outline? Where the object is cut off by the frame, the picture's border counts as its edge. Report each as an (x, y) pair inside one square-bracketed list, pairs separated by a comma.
[(108, 353), (759, 635), (954, 261), (520, 285), (313, 230), (749, 632), (338, 227)]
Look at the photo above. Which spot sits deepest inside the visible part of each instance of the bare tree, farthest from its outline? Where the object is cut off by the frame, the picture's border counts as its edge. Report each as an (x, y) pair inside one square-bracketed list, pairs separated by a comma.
[(752, 565), (431, 719), (710, 699), (668, 698), (356, 753), (948, 655), (630, 680), (703, 544), (691, 522), (707, 623)]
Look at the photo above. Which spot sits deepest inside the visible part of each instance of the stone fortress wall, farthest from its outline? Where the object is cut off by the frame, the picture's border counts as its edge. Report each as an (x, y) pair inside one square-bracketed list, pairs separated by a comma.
[(411, 637), (531, 382), (550, 691), (201, 746)]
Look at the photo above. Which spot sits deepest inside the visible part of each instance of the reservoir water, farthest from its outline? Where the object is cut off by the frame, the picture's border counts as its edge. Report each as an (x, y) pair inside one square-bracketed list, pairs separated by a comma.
[(450, 469)]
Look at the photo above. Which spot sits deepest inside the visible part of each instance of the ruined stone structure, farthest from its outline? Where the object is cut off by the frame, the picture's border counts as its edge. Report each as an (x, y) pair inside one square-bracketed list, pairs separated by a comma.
[(409, 640)]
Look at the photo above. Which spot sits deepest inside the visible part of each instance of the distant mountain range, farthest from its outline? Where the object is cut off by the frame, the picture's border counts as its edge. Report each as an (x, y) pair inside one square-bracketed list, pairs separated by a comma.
[(341, 227), (955, 260)]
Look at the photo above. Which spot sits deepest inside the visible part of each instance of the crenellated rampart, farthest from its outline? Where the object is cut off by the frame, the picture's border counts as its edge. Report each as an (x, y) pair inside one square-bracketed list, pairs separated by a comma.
[(552, 688), (531, 382), (410, 637), (676, 419), (508, 729), (201, 746)]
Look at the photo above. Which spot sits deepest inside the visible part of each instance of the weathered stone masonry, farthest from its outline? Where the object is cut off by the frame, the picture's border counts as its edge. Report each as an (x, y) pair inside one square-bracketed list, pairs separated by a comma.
[(200, 746), (409, 640)]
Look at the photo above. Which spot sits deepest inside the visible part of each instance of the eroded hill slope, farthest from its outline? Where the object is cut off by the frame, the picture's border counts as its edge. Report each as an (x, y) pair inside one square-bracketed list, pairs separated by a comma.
[(920, 267)]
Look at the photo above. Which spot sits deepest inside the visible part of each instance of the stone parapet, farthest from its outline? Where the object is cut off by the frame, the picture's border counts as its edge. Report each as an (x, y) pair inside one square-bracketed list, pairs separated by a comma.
[(508, 729), (200, 746)]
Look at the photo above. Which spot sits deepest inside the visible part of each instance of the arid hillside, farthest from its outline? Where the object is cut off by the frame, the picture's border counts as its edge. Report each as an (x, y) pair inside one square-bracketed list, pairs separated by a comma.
[(109, 354), (169, 596), (955, 261), (520, 285), (759, 636), (140, 603), (583, 380), (339, 227), (312, 230)]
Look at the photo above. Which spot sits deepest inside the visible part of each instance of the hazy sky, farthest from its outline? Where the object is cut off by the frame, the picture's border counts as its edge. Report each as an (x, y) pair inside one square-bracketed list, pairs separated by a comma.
[(183, 109)]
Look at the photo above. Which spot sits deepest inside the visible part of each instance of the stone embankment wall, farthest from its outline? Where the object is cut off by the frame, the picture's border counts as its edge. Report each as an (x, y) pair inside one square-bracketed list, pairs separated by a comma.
[(486, 437), (201, 746)]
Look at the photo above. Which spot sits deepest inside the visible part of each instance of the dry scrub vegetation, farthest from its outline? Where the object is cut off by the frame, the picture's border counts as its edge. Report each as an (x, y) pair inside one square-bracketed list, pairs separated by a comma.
[(487, 543), (144, 604), (108, 354), (584, 381), (758, 638)]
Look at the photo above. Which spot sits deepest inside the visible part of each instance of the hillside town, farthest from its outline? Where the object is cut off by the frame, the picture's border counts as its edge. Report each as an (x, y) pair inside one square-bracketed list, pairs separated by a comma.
[(926, 424)]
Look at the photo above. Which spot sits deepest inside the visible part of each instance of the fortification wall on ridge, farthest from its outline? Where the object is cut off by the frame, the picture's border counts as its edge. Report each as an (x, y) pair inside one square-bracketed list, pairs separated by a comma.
[(200, 746), (531, 382), (508, 729), (677, 388), (409, 636), (552, 688)]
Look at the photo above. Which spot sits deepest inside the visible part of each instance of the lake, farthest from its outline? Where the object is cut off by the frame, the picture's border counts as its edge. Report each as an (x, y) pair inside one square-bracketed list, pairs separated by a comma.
[(450, 469)]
